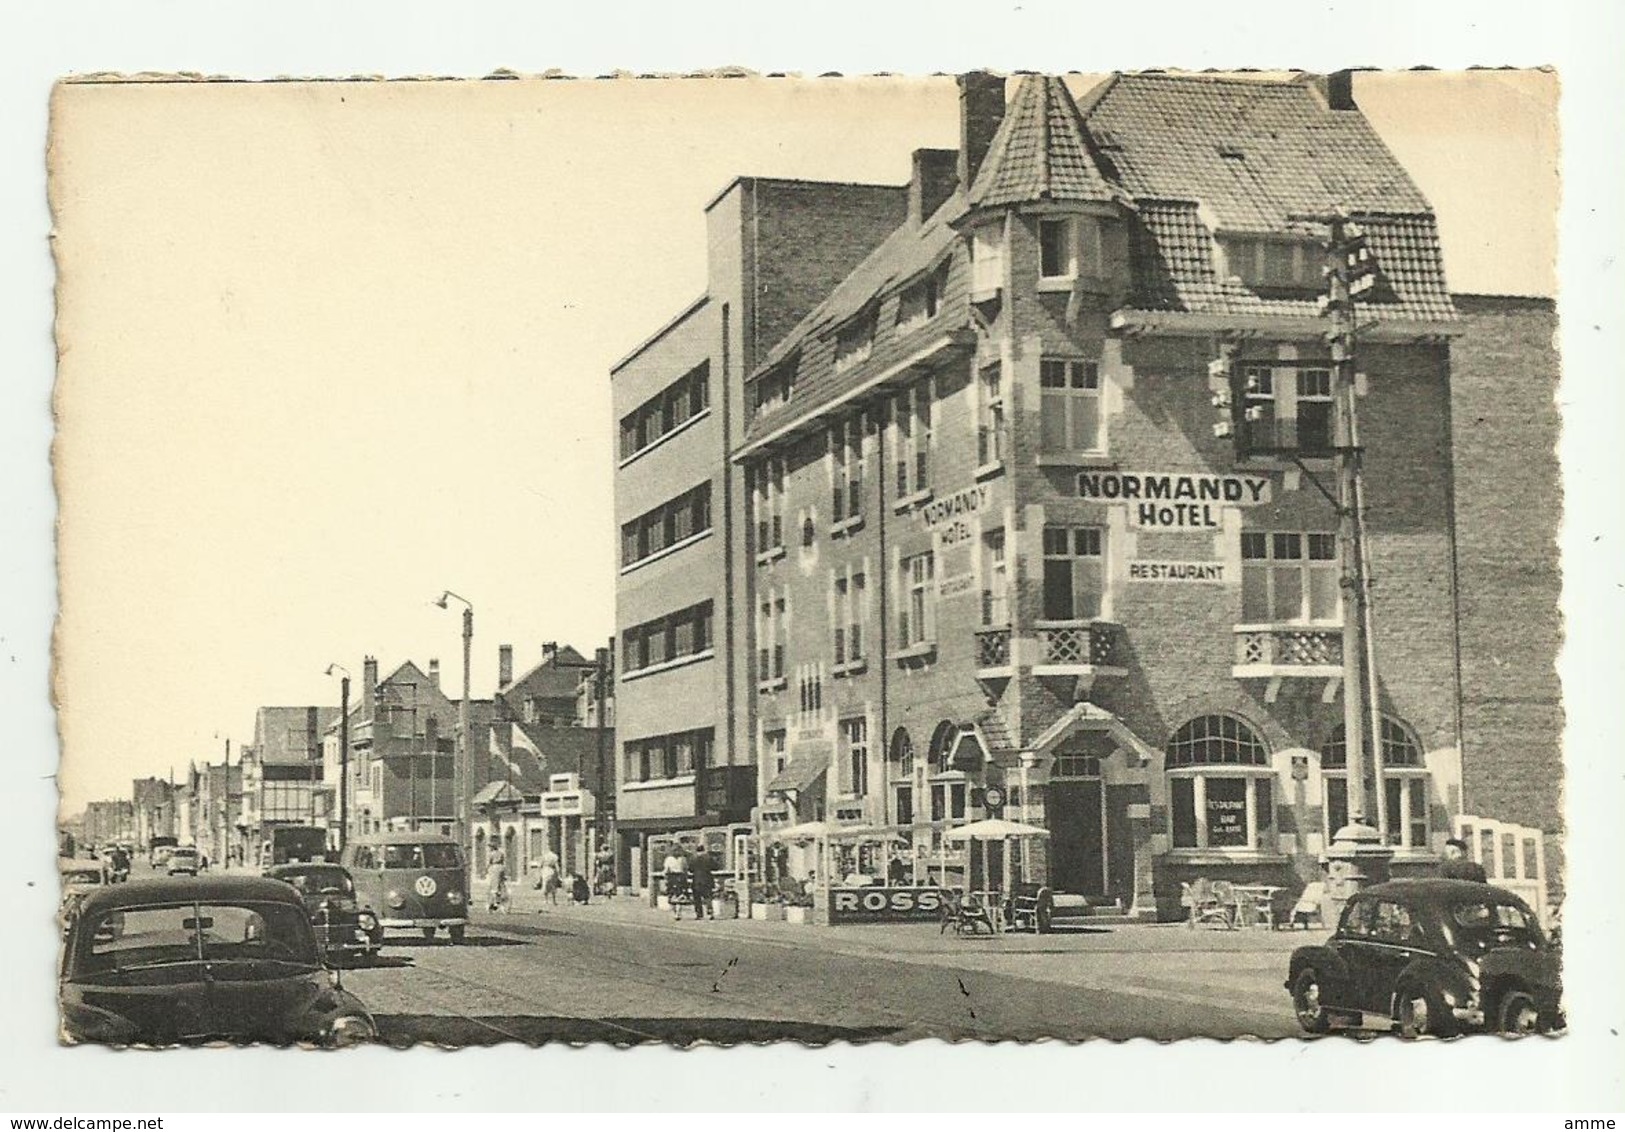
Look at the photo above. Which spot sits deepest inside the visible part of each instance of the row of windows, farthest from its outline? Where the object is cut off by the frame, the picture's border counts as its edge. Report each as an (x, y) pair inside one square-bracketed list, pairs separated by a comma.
[(1287, 577), (669, 756), (687, 632), (670, 523), (670, 409)]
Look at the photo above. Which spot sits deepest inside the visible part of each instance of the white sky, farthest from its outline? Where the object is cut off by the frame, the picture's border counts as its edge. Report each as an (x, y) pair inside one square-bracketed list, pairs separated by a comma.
[(333, 348)]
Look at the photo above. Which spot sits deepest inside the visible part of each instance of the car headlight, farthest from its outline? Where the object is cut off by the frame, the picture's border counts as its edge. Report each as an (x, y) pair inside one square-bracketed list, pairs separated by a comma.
[(454, 896), (366, 921), (395, 899), (351, 1029)]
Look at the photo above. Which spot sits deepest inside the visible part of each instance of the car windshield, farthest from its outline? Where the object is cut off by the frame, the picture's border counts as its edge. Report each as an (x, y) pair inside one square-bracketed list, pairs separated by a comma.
[(183, 853), (166, 935), (316, 881), (430, 856), (1482, 924), (82, 876)]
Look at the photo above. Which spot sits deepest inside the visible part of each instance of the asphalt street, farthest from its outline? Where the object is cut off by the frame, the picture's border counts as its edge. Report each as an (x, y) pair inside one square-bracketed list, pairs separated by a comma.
[(582, 977)]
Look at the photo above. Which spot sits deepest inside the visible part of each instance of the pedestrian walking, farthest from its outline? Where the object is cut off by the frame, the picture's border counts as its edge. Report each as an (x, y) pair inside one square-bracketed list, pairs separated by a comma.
[(497, 874), (1458, 866), (675, 867), (549, 880), (701, 882)]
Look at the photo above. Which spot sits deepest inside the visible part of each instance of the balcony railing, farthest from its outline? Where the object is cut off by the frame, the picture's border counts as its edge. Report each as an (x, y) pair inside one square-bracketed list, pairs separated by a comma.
[(993, 649), (1289, 650), (1077, 646)]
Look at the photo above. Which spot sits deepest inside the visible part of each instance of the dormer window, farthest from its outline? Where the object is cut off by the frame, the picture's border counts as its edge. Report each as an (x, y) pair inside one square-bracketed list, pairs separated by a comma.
[(854, 340), (987, 261), (1281, 263), (920, 301), (772, 390)]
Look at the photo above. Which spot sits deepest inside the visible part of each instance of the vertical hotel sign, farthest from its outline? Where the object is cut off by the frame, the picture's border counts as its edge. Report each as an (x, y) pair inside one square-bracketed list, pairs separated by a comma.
[(1178, 501), (950, 520)]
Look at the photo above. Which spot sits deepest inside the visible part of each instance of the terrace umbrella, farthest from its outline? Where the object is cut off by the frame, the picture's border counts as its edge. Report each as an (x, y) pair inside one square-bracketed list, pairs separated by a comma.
[(994, 829)]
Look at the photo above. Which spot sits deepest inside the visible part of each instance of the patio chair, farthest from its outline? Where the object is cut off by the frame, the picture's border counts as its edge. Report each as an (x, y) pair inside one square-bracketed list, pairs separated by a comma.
[(1308, 906), (1030, 908), (963, 913), (1211, 902)]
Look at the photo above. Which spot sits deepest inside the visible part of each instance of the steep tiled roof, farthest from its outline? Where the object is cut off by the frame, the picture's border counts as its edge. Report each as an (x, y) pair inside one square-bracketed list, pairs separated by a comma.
[(1040, 152), (1204, 156)]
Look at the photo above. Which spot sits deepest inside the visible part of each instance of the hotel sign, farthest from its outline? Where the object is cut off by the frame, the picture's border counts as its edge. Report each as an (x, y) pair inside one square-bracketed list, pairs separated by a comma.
[(949, 516), (1175, 500)]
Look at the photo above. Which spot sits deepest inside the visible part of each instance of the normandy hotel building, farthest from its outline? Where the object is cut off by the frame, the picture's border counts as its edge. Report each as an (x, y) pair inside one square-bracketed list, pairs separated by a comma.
[(924, 518)]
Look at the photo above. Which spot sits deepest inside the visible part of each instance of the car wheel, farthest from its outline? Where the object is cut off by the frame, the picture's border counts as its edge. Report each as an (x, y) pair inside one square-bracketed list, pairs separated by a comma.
[(1306, 1002), (1421, 1013), (456, 932), (428, 933), (1519, 1014)]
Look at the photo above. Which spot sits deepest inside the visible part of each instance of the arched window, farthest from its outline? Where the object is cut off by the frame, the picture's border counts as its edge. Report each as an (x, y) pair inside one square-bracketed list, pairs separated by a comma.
[(942, 744), (1220, 786), (1404, 785), (900, 770)]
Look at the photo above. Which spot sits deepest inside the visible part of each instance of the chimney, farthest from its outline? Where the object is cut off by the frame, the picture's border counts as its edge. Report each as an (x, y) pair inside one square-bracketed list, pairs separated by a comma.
[(981, 109), (549, 650), (434, 672), (369, 679), (1340, 90), (504, 665), (936, 172)]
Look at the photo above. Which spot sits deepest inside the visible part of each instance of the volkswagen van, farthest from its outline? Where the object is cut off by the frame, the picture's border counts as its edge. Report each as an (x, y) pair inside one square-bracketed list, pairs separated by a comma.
[(411, 880)]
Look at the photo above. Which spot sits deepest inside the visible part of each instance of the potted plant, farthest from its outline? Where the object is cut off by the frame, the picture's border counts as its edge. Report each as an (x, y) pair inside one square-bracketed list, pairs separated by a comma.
[(725, 905), (798, 910), (760, 898)]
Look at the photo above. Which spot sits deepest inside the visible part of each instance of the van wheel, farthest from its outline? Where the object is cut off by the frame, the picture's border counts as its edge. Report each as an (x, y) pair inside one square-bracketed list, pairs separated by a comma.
[(456, 933), (428, 933), (1518, 1014)]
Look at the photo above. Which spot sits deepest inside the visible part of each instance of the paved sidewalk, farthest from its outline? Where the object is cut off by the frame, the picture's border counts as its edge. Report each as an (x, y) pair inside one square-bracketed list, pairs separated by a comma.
[(1236, 970)]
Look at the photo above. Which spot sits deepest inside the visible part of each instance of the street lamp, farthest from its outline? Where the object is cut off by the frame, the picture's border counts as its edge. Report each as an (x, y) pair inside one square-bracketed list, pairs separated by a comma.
[(344, 753), (465, 815)]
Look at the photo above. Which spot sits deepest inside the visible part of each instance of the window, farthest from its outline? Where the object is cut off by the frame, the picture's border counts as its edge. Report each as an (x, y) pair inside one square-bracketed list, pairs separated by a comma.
[(920, 301), (1290, 578), (771, 634), (772, 390), (773, 755), (900, 773), (917, 612), (1057, 249), (676, 636), (990, 440), (810, 684), (676, 755), (1220, 786), (855, 339), (1274, 263), (948, 801), (1074, 573), (667, 525), (846, 468), (1259, 412), (996, 576), (769, 506), (1404, 785), (913, 440), (1069, 407), (668, 410), (987, 259), (1314, 411), (855, 740), (850, 612)]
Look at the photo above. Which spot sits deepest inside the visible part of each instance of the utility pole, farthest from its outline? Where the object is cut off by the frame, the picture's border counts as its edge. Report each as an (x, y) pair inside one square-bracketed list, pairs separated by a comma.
[(344, 761)]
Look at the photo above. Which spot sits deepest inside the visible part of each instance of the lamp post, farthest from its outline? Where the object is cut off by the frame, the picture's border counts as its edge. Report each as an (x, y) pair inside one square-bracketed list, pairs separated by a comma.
[(344, 753), (465, 805)]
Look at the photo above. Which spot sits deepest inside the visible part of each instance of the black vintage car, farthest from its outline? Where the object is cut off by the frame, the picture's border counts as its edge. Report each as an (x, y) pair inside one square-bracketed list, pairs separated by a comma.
[(189, 960), (1431, 957), (342, 926)]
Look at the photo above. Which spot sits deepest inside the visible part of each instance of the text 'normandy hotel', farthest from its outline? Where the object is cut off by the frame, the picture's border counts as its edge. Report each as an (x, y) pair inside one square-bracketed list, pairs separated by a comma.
[(923, 497)]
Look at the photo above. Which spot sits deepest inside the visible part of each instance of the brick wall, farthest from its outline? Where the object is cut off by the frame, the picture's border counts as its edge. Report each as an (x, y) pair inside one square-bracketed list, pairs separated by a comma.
[(1505, 426)]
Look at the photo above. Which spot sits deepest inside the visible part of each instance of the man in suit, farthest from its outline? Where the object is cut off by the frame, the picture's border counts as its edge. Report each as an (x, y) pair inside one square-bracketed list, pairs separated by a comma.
[(1458, 866)]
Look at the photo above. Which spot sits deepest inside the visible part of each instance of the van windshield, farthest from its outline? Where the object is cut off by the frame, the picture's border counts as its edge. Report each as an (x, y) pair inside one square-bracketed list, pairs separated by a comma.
[(432, 856)]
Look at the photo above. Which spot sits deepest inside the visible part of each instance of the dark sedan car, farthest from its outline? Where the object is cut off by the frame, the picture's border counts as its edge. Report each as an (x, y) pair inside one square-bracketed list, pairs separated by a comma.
[(1435, 957), (190, 960), (342, 926)]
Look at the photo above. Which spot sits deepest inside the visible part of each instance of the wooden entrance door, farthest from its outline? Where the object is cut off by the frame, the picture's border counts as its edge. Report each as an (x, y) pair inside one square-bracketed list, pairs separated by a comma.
[(1077, 837)]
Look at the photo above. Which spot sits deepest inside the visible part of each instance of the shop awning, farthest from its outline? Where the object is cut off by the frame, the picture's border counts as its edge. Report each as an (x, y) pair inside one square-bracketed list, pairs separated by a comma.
[(800, 775), (994, 829)]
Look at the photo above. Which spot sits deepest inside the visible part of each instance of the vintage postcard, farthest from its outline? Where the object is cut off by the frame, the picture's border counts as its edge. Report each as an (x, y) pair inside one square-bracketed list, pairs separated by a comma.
[(733, 558)]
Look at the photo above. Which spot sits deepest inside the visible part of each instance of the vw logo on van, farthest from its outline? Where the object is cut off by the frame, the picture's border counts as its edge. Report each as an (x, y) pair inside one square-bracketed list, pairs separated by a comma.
[(424, 887)]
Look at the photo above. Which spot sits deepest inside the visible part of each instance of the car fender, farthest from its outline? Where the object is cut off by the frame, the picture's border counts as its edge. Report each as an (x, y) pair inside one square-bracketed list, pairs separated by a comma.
[(1334, 970), (1453, 981)]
